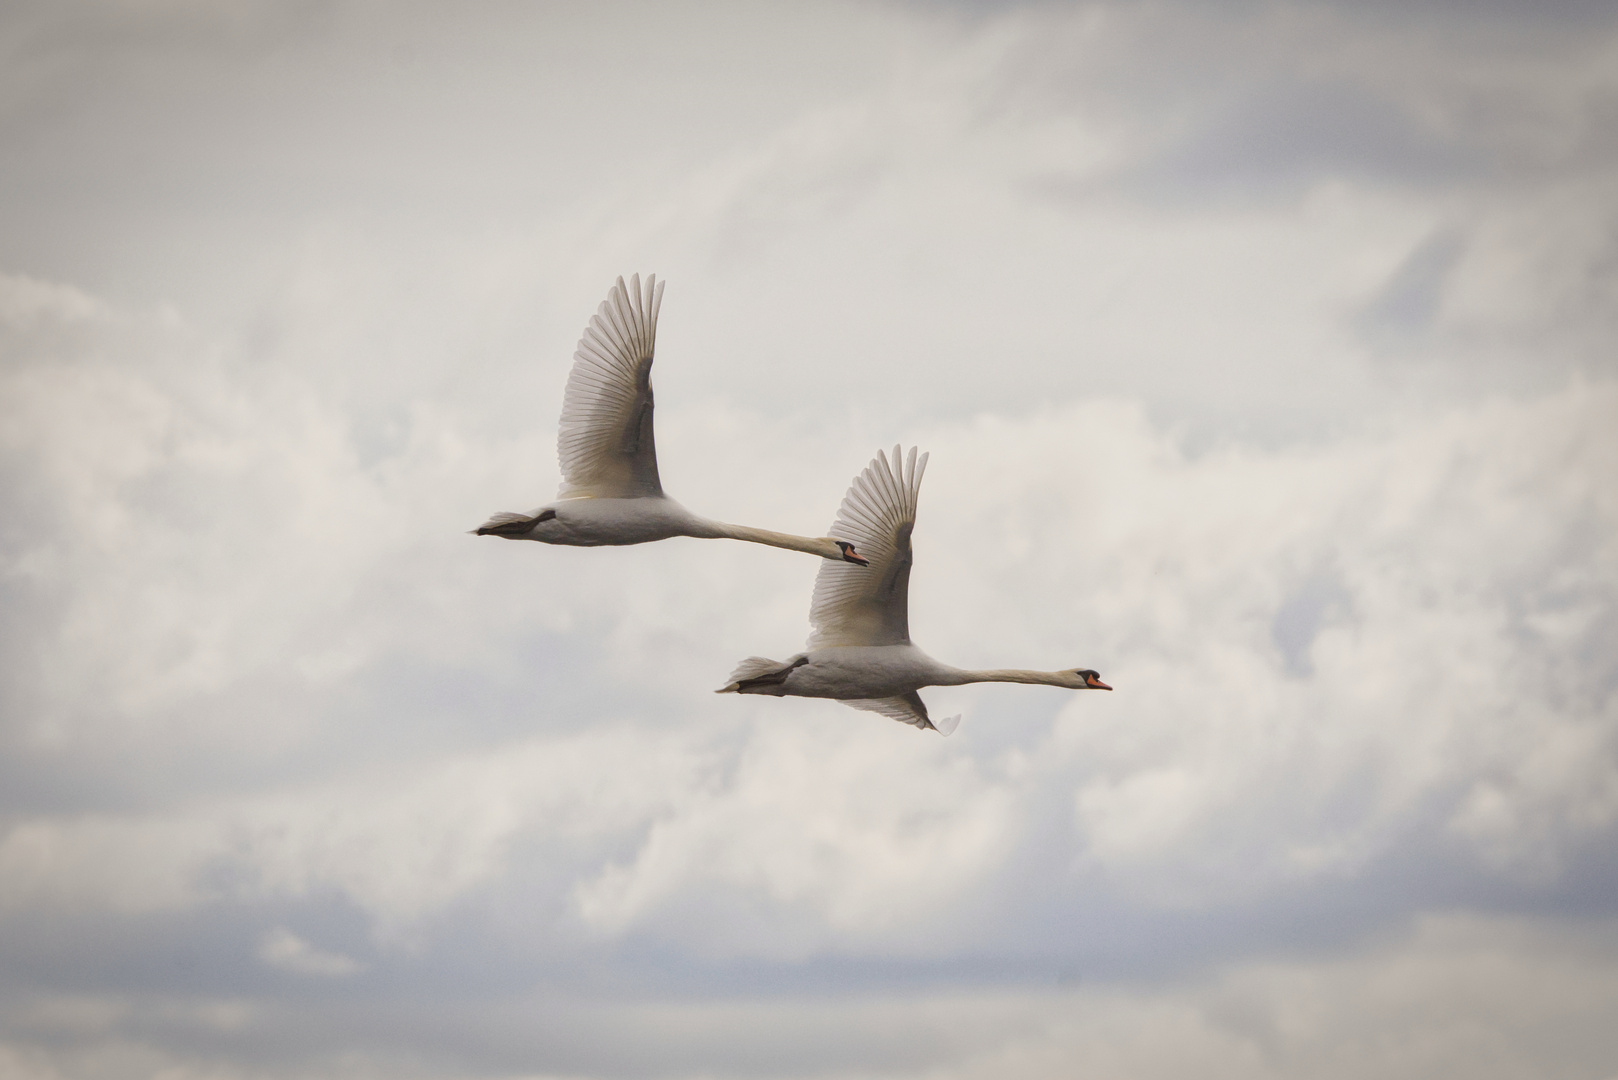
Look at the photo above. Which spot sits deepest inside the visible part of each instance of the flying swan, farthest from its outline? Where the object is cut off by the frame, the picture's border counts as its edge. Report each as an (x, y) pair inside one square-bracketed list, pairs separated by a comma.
[(859, 651), (610, 490)]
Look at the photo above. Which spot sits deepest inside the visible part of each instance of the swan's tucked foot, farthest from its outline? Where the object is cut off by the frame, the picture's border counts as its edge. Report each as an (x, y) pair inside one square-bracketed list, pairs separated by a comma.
[(760, 675), (512, 526)]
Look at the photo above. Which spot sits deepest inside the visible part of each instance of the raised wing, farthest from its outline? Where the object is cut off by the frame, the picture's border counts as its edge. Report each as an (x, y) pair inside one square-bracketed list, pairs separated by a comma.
[(870, 605), (907, 709), (605, 443)]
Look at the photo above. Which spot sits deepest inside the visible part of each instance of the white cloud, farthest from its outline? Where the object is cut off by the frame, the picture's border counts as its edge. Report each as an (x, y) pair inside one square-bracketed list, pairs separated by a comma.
[(98, 862), (25, 300), (1303, 446), (819, 834), (283, 949), (1438, 702)]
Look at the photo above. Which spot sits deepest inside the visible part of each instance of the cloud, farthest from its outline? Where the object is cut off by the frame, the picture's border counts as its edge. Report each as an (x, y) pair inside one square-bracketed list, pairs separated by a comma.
[(25, 300), (1287, 137), (1408, 303), (1269, 733), (296, 778), (283, 949), (1452, 996)]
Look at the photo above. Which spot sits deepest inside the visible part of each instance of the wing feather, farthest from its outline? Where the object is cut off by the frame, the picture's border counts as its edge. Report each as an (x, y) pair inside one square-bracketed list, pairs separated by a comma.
[(905, 708), (605, 442), (869, 605)]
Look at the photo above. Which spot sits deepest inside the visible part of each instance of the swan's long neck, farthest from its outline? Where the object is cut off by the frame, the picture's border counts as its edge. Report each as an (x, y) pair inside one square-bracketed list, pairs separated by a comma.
[(822, 546), (958, 677)]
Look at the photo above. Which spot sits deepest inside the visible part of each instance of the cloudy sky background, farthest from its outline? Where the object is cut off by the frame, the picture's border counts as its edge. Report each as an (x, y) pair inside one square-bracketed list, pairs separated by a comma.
[(1265, 356)]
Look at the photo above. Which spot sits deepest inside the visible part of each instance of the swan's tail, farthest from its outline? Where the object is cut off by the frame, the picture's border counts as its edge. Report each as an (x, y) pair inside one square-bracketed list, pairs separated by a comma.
[(507, 524), (761, 675)]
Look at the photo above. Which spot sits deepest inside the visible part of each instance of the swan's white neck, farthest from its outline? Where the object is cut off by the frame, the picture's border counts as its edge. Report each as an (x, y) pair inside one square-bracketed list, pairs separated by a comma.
[(825, 547), (958, 677)]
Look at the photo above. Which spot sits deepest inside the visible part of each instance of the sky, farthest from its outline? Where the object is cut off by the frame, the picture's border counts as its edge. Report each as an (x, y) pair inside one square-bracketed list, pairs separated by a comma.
[(1264, 353)]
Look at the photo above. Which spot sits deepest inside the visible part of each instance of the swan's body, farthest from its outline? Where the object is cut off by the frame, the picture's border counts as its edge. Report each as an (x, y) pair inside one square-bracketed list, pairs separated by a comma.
[(849, 672), (611, 493), (860, 651)]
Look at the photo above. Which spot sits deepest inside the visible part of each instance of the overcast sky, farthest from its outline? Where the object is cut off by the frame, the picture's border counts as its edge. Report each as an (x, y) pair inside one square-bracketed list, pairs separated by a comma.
[(1265, 354)]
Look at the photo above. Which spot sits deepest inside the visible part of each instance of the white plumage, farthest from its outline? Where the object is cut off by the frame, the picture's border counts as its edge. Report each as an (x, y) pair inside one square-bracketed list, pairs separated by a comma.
[(859, 651), (870, 605), (604, 441), (611, 493)]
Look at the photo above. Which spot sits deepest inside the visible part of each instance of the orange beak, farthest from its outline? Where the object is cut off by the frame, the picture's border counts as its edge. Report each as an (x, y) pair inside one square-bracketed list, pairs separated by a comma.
[(1095, 684), (850, 555)]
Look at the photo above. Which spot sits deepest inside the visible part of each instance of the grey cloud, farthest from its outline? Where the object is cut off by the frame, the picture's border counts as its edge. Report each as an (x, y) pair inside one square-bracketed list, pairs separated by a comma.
[(1559, 14), (1406, 305), (1315, 602), (1416, 1003), (1283, 138), (1265, 102)]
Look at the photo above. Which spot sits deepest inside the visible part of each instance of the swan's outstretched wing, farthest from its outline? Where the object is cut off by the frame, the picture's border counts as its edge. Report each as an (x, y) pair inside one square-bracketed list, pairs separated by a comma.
[(605, 443), (869, 605), (907, 709)]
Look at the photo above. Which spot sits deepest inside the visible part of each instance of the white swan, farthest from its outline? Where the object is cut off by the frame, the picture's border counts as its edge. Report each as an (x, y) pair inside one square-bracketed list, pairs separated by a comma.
[(610, 489), (860, 651)]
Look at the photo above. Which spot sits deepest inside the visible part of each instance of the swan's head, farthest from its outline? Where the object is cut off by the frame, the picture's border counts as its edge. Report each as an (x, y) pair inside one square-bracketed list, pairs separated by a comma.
[(850, 555), (1086, 679)]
